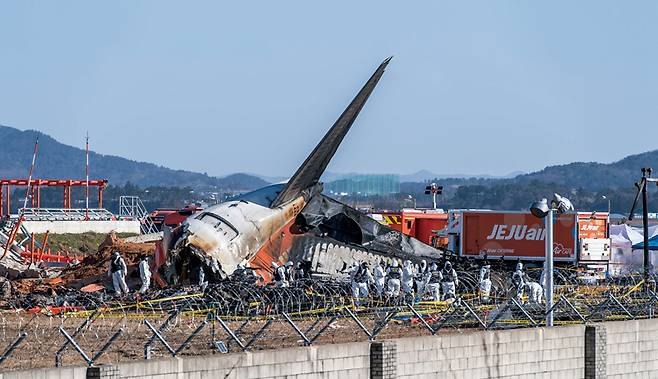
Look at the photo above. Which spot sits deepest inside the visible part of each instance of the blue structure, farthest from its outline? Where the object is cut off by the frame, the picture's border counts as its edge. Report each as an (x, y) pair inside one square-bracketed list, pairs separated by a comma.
[(366, 184), (653, 244)]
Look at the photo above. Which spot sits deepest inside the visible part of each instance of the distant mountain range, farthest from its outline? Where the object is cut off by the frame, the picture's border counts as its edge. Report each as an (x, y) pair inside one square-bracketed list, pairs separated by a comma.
[(56, 160)]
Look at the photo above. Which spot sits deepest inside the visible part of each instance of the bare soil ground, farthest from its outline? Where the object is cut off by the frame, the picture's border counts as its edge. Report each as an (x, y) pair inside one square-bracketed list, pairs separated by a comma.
[(44, 338)]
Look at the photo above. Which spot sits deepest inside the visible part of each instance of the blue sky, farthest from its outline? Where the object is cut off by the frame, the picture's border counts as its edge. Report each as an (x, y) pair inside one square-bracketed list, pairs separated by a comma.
[(485, 87)]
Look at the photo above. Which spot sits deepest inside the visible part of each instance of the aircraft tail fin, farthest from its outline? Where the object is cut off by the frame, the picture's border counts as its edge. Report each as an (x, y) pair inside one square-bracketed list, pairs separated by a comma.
[(308, 174)]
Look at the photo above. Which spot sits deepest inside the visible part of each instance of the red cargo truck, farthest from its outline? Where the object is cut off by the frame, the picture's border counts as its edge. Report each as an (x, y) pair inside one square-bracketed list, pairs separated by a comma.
[(577, 237)]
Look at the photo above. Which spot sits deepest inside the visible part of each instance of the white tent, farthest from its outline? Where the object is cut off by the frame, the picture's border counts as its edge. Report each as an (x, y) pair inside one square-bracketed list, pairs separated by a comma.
[(623, 258)]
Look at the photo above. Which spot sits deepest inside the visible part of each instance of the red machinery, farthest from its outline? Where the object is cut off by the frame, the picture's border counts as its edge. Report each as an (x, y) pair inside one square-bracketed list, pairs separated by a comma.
[(172, 217), (418, 223)]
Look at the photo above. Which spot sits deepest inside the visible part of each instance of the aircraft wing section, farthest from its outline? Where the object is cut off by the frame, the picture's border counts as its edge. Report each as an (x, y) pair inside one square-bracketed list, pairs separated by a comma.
[(310, 171)]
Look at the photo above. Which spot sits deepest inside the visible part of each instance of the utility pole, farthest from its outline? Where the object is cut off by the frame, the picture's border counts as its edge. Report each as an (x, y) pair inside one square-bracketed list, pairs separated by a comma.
[(642, 191), (646, 174)]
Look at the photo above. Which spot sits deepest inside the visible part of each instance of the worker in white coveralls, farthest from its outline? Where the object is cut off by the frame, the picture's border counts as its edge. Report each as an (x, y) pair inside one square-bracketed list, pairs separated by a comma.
[(518, 281), (421, 279), (360, 276), (380, 278), (279, 273), (433, 286), (449, 282), (144, 274), (393, 274), (535, 292), (485, 282), (117, 271), (407, 279)]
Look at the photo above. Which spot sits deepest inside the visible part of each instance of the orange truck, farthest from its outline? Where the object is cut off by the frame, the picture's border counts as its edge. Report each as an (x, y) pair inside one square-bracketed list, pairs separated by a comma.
[(421, 224), (578, 237)]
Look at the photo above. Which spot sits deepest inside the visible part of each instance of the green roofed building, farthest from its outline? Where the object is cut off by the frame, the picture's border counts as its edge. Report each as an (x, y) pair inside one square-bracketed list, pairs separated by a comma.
[(366, 184)]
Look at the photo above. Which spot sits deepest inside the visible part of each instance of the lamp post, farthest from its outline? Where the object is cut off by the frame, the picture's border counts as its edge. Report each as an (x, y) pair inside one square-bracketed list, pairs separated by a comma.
[(433, 189), (540, 209)]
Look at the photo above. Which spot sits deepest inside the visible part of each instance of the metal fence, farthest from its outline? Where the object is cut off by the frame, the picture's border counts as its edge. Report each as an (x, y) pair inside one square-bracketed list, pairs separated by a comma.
[(232, 317)]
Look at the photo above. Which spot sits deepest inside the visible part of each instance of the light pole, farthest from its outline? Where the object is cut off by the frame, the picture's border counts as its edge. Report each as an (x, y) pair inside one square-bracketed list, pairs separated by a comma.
[(433, 189), (540, 209)]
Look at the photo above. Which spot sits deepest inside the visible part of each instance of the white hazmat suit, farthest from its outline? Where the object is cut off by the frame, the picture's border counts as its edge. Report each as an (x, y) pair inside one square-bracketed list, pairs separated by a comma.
[(380, 280), (535, 292), (407, 279), (360, 276), (449, 282), (421, 278), (433, 286), (485, 282), (117, 271), (144, 275), (393, 273)]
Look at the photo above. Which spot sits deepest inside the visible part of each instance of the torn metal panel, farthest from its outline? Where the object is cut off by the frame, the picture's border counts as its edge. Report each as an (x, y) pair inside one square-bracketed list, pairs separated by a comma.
[(338, 235)]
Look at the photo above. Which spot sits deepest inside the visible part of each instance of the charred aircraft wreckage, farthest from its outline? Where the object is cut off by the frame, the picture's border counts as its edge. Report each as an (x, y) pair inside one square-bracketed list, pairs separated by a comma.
[(291, 221)]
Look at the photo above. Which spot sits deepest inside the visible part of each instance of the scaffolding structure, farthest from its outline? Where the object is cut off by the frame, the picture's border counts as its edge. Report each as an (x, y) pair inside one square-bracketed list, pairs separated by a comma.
[(35, 190)]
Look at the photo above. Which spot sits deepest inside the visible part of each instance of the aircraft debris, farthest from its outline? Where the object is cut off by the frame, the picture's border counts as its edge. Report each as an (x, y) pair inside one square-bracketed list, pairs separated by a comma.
[(289, 221)]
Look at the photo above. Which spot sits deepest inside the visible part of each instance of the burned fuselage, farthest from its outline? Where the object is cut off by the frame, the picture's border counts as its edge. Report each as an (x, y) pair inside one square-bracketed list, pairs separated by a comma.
[(226, 234)]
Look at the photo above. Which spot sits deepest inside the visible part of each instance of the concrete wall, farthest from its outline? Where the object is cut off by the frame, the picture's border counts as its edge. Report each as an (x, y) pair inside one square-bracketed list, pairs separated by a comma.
[(351, 360), (632, 345), (78, 227), (47, 373), (628, 350), (521, 353)]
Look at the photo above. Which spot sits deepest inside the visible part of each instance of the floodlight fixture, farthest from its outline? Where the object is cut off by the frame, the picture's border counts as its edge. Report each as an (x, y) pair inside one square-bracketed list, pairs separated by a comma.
[(561, 204), (540, 208)]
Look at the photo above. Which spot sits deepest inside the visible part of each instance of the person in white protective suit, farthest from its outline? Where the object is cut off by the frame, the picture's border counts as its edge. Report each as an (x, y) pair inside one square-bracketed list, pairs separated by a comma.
[(421, 279), (393, 273), (380, 278), (279, 274), (433, 286), (449, 282), (485, 282), (117, 271), (290, 272), (535, 292), (144, 274), (361, 277), (407, 279), (518, 281)]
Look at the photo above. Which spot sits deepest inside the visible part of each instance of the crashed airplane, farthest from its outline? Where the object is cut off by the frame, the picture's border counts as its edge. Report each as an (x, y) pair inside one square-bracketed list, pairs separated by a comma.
[(291, 221)]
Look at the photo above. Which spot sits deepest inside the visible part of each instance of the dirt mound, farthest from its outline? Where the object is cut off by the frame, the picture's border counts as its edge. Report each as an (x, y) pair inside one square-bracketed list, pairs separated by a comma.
[(94, 265)]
